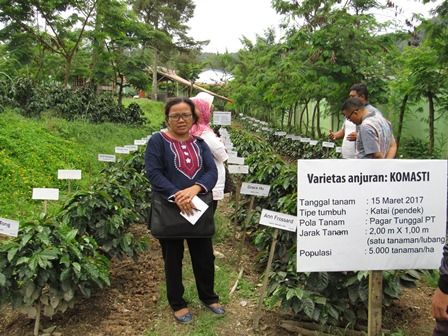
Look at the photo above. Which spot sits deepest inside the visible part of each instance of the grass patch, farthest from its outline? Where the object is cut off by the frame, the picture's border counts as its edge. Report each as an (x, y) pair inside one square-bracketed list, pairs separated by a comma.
[(431, 278), (153, 110), (32, 150)]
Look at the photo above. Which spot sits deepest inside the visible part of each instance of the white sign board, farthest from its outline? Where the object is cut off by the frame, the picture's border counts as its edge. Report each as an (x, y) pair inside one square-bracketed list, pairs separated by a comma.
[(45, 194), (9, 227), (278, 220), (280, 133), (235, 160), (238, 169), (68, 174), (132, 148), (232, 153), (106, 158), (140, 142), (305, 140), (328, 144), (370, 214), (313, 142), (121, 150), (222, 118), (255, 189), (338, 149)]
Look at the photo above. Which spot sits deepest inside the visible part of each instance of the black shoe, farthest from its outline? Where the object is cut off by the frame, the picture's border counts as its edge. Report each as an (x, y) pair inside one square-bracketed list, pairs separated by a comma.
[(184, 319), (215, 310)]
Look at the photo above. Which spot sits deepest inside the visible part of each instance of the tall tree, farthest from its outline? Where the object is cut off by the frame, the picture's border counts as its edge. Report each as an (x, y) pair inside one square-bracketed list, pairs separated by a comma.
[(57, 25), (169, 17)]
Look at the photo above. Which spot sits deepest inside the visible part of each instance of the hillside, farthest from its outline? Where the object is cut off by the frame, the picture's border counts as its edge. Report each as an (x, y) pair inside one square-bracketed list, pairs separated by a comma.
[(31, 152)]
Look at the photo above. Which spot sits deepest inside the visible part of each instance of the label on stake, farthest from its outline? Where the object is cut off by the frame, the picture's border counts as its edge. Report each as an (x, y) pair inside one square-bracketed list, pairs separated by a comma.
[(51, 194), (255, 189), (238, 169), (67, 174), (278, 220), (106, 158), (9, 227)]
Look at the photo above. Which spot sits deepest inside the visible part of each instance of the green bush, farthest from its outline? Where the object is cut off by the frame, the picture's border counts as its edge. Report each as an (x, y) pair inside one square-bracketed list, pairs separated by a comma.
[(48, 266)]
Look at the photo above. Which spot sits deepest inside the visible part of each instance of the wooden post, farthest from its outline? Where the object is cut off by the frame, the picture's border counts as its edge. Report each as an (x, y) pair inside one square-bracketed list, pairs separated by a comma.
[(265, 280), (45, 206), (69, 186), (375, 303), (237, 199), (243, 227)]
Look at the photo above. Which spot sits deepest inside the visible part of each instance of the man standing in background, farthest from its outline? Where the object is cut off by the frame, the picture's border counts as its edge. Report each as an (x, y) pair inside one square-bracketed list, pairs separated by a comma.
[(374, 137), (349, 133)]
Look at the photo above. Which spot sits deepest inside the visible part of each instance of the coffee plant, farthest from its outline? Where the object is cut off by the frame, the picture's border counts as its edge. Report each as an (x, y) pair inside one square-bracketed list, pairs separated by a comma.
[(48, 266), (338, 298)]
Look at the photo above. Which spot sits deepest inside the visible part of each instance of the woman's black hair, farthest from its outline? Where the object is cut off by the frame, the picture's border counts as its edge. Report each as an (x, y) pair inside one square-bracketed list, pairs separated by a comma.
[(177, 100)]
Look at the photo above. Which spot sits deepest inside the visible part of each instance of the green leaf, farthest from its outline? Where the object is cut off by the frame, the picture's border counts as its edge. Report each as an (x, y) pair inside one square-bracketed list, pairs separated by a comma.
[(308, 307), (12, 252), (2, 279)]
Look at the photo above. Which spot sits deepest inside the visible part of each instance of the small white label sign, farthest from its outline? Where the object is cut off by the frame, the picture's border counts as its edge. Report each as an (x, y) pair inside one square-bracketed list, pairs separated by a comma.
[(121, 150), (68, 174), (139, 142), (9, 227), (313, 142), (222, 118), (328, 144), (235, 160), (51, 194), (280, 133), (232, 153), (255, 189), (238, 169), (132, 148), (106, 158), (338, 149), (278, 220)]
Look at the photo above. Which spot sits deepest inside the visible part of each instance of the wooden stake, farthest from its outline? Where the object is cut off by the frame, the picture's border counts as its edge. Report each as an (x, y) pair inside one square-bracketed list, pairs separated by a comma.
[(265, 280), (240, 274), (69, 187), (243, 227), (45, 206), (37, 320), (375, 303), (237, 200)]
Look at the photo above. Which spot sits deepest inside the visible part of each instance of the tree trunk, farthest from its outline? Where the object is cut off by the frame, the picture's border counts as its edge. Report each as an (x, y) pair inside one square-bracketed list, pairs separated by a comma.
[(401, 118), (307, 120), (155, 89), (301, 116), (283, 118), (313, 120), (431, 121), (120, 90), (68, 67), (319, 133), (290, 112)]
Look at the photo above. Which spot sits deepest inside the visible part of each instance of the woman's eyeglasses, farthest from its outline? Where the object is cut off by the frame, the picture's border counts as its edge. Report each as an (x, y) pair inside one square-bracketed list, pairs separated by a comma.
[(177, 117)]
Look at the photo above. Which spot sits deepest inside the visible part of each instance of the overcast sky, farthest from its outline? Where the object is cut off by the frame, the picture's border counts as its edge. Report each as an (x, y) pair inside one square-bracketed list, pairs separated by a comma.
[(224, 22)]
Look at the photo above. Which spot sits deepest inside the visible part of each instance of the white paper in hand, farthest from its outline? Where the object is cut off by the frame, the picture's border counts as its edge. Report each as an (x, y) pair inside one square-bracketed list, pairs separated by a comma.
[(200, 206)]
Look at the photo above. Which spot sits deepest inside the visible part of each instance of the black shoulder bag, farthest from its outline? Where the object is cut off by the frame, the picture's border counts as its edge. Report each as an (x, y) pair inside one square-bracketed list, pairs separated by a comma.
[(166, 221)]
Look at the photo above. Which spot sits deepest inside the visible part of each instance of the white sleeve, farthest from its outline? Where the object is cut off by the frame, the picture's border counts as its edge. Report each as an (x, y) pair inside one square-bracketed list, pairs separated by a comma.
[(216, 146)]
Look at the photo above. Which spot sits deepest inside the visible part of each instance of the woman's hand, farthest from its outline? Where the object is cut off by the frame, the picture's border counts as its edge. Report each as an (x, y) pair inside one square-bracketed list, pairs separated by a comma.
[(183, 199)]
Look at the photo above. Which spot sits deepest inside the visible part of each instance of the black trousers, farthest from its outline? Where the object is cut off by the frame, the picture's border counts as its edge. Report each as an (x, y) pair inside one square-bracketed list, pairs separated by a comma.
[(203, 262), (441, 328)]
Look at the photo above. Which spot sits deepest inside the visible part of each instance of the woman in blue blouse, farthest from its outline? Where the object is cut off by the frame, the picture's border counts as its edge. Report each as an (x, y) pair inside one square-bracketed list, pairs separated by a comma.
[(179, 167)]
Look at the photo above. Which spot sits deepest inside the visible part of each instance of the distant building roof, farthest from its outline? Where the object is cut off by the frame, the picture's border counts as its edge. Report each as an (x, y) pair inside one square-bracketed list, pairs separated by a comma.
[(214, 76), (171, 74)]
